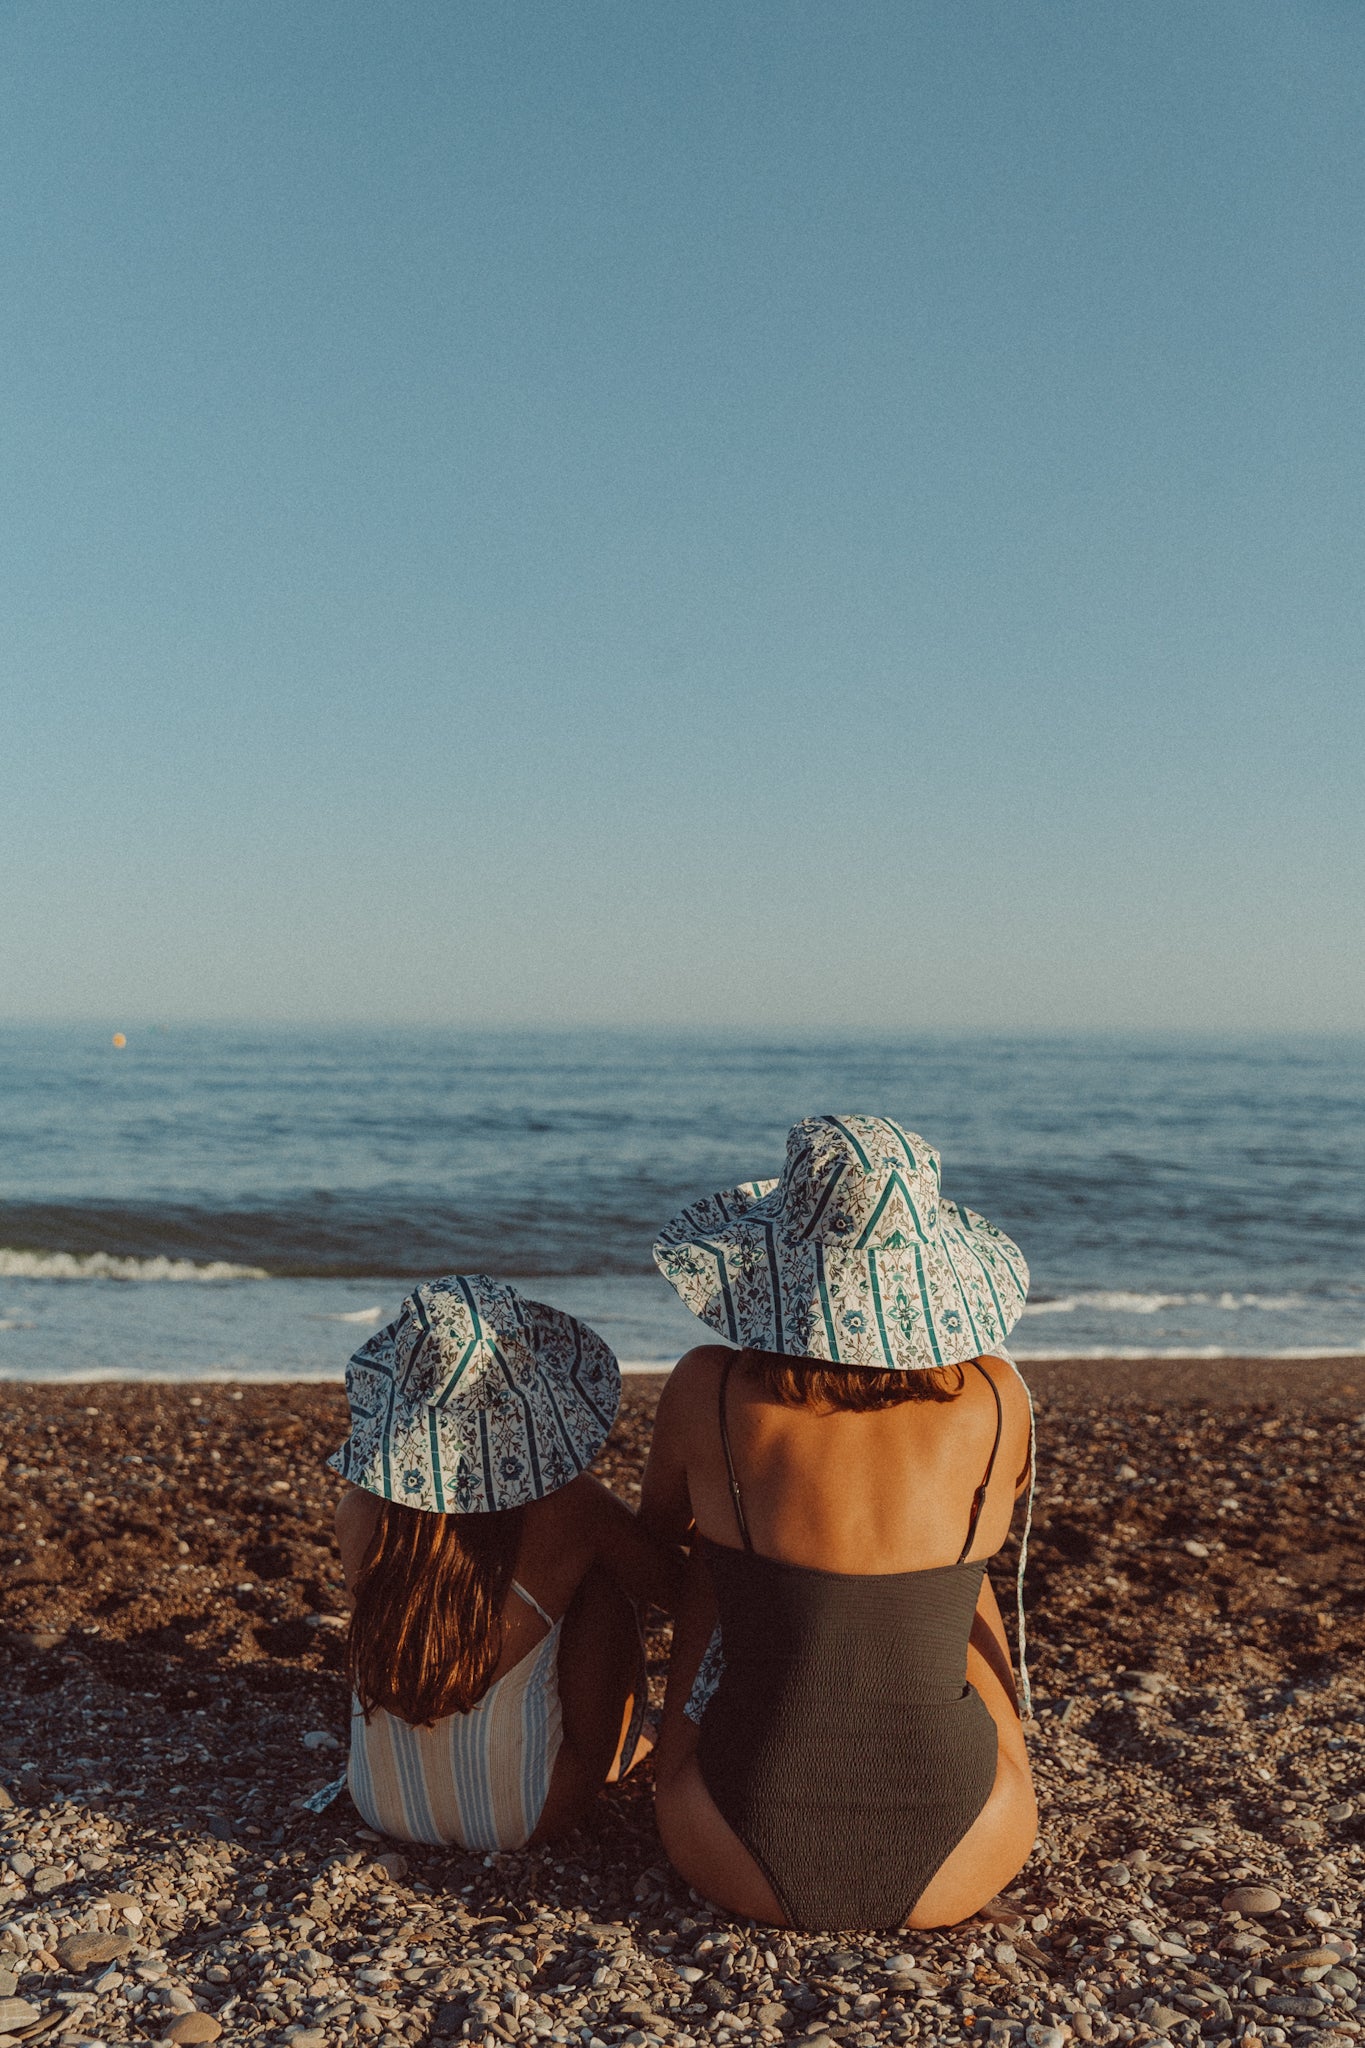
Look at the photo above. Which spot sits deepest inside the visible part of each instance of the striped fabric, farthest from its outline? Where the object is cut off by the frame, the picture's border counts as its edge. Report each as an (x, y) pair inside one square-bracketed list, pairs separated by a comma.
[(479, 1779)]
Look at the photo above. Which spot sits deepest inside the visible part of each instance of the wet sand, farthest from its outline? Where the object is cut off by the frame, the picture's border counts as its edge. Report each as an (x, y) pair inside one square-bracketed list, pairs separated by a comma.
[(168, 1638)]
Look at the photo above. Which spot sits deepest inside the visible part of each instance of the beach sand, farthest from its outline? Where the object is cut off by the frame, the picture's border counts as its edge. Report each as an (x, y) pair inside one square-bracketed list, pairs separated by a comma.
[(170, 1688)]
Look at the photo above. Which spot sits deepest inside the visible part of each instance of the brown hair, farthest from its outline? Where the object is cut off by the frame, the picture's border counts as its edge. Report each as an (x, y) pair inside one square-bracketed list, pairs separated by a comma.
[(427, 1630), (811, 1383)]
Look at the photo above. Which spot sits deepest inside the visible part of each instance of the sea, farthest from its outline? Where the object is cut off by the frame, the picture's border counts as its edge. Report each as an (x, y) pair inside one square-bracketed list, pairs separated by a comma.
[(249, 1204)]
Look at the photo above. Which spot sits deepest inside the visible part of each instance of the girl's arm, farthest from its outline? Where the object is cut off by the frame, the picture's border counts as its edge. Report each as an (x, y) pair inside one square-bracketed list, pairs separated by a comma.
[(356, 1516)]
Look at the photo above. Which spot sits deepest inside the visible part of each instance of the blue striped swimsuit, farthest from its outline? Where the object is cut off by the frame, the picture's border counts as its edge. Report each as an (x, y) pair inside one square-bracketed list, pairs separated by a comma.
[(479, 1779)]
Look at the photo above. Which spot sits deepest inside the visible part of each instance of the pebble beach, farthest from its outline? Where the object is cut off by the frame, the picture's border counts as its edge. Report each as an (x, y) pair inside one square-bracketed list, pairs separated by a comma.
[(171, 1641)]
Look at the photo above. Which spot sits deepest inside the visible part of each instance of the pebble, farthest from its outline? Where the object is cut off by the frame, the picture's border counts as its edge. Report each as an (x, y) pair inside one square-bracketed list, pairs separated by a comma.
[(82, 1951), (16, 2013), (193, 2026), (1253, 1900)]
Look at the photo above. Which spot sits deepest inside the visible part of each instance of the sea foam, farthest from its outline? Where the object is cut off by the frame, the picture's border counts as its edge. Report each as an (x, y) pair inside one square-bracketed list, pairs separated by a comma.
[(1127, 1301), (16, 1265)]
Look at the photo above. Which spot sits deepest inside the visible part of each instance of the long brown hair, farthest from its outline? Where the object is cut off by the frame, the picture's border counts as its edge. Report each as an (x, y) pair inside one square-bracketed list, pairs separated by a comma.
[(427, 1630), (811, 1383)]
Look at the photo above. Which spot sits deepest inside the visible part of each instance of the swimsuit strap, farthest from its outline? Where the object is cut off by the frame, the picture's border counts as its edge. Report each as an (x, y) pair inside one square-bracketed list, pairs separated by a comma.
[(979, 1497), (735, 1494), (531, 1601)]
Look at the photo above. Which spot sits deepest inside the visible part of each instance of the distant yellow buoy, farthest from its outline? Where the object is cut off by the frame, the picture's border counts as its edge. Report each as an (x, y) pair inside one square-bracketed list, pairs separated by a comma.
[(119, 1040)]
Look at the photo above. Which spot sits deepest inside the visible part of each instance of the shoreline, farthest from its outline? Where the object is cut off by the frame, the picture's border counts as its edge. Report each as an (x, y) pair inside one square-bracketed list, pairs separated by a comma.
[(171, 1689), (1142, 1377)]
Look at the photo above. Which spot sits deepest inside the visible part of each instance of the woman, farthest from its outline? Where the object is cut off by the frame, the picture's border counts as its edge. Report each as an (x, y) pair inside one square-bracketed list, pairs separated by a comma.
[(844, 1750), (494, 1652)]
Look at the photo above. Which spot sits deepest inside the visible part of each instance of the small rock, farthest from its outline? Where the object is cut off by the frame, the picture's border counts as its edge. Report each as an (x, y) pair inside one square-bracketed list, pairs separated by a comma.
[(81, 1952), (193, 2026), (43, 1638), (1005, 1954), (49, 1879), (1294, 2006), (1145, 1681), (320, 1738), (9, 1983), (1308, 1959), (1045, 2037), (1195, 1549), (771, 2015), (16, 2013), (1163, 2018), (308, 2037), (1343, 1810), (1316, 1917), (391, 1862), (6, 1797), (1254, 1900)]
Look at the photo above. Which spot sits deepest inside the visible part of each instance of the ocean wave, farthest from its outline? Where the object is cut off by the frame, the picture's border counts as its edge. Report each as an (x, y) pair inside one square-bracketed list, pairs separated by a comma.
[(1125, 1301), (15, 1265)]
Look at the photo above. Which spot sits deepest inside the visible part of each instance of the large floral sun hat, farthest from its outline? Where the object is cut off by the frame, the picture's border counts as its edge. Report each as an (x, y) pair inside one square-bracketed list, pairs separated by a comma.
[(475, 1398), (853, 1255)]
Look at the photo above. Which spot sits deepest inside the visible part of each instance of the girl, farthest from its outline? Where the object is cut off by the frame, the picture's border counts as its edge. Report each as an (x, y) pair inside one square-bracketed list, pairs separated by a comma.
[(494, 1651)]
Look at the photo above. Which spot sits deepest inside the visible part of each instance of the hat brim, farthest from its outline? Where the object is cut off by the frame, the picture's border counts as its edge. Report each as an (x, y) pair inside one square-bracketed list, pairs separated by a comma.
[(935, 1300)]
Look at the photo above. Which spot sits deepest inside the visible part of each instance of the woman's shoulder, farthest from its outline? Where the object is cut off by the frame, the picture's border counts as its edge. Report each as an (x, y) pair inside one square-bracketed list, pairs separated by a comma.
[(1005, 1377), (694, 1380)]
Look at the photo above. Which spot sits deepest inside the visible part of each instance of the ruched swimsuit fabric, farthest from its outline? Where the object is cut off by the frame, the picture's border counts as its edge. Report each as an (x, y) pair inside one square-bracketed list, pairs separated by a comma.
[(843, 1744)]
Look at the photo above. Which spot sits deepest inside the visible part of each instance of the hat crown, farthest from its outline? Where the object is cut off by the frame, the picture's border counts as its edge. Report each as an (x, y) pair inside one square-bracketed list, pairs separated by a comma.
[(447, 1326), (860, 1182), (475, 1398)]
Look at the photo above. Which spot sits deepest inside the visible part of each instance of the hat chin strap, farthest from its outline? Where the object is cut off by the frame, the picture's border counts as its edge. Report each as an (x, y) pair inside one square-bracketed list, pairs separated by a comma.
[(1025, 1689)]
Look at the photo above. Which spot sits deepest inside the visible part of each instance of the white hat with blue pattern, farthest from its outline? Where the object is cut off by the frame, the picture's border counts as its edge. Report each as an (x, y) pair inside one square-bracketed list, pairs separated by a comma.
[(475, 1398), (852, 1256)]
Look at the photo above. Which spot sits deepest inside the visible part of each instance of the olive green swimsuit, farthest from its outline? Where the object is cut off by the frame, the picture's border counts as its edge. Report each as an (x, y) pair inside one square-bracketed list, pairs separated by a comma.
[(843, 1744)]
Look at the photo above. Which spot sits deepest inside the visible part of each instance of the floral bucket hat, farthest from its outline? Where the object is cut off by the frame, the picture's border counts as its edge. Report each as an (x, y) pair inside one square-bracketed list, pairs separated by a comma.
[(853, 1255), (475, 1398)]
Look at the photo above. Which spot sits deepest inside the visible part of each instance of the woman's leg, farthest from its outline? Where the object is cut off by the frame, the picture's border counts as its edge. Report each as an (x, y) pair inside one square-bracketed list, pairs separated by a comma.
[(997, 1844), (599, 1670), (700, 1843)]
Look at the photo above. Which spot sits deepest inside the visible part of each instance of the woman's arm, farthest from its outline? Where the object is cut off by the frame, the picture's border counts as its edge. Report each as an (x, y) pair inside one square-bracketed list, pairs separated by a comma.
[(691, 1634), (643, 1567), (665, 1500)]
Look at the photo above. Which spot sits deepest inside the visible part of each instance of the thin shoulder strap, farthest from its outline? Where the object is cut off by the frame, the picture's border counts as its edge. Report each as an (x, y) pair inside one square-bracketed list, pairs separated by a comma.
[(531, 1601), (735, 1494), (979, 1497)]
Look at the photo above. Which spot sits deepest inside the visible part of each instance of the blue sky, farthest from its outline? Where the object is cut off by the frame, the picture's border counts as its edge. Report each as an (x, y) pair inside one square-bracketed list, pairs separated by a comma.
[(779, 515)]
